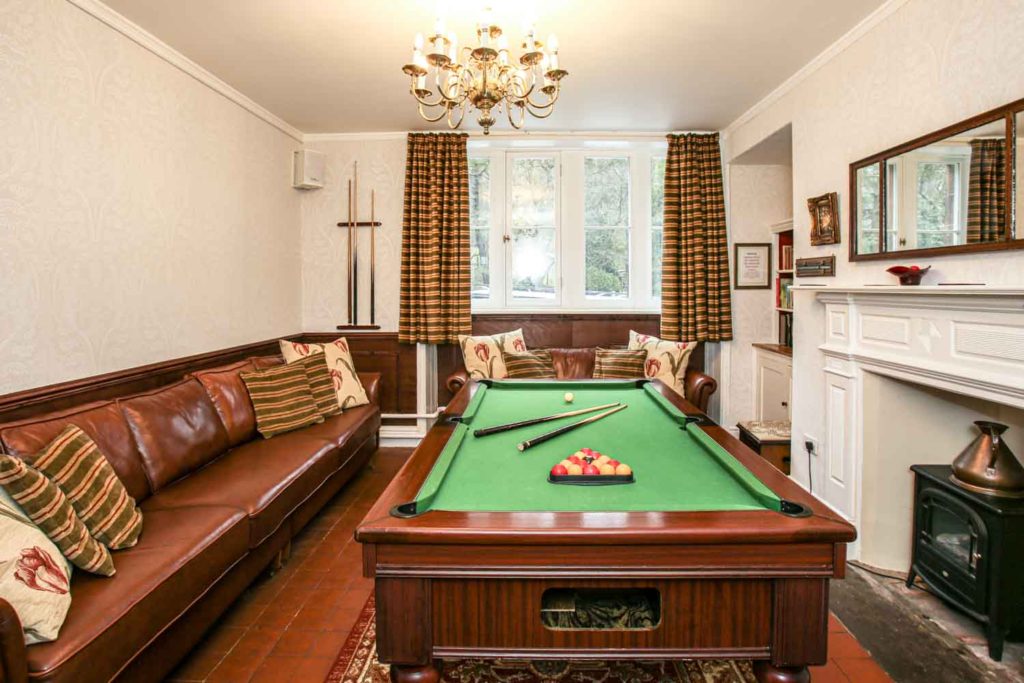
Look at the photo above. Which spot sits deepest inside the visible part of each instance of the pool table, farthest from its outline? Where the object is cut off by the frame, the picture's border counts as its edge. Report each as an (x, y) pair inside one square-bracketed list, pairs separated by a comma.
[(710, 553)]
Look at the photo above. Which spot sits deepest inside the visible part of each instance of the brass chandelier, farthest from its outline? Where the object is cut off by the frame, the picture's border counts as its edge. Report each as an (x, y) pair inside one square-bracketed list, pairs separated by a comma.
[(484, 77)]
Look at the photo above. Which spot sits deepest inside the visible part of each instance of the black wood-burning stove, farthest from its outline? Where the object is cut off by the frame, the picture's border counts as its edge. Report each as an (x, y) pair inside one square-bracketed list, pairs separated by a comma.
[(969, 549)]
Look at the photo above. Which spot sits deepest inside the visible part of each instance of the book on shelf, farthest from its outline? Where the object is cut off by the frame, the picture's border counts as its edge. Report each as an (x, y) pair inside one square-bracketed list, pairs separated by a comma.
[(786, 330), (786, 257), (783, 292)]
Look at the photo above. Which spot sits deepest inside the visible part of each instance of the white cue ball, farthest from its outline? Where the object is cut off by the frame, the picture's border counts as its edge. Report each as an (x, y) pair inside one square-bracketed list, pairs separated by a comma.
[(569, 397)]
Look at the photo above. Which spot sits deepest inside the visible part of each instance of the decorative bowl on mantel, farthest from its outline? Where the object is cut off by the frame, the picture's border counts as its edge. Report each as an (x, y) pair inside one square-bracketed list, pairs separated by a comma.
[(909, 275)]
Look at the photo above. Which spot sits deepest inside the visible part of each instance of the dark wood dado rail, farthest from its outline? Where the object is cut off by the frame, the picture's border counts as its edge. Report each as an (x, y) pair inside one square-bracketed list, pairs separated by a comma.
[(371, 351)]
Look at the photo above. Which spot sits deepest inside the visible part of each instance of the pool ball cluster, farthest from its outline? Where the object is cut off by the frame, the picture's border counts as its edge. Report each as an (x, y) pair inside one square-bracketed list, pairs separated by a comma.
[(590, 462)]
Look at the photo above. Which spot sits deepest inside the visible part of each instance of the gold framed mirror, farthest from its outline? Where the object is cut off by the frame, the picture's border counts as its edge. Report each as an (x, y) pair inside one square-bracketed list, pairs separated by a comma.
[(948, 192)]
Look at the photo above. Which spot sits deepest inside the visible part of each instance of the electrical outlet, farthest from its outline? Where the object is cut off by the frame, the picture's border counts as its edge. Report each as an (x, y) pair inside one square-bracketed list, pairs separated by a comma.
[(811, 445)]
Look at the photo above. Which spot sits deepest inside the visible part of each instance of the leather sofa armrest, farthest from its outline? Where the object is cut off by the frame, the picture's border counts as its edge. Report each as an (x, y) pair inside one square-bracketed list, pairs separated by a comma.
[(13, 657), (371, 383), (699, 388), (457, 380)]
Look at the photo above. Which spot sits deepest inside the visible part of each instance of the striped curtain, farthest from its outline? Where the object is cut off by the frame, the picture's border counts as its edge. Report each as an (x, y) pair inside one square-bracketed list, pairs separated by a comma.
[(435, 289), (695, 296), (986, 193)]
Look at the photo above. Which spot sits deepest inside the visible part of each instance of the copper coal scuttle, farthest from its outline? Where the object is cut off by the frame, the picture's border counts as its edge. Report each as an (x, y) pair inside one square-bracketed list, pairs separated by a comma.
[(988, 466)]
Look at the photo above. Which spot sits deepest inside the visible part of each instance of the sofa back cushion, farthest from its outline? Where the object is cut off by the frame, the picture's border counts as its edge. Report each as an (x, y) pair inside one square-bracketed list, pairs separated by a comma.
[(227, 391), (102, 421), (177, 429), (573, 363)]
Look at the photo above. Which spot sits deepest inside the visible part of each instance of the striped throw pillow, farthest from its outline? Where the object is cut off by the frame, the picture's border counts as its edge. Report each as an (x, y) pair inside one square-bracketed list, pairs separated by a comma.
[(320, 383), (281, 398), (47, 506), (74, 462), (619, 364), (529, 365)]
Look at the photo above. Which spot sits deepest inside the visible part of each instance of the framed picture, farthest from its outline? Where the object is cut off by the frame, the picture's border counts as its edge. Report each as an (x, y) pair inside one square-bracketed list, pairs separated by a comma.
[(819, 266), (753, 266), (824, 219)]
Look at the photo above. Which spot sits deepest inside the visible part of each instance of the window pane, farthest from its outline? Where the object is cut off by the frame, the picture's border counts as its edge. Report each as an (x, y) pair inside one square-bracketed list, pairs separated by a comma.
[(606, 191), (936, 203), (479, 192), (479, 253), (607, 263), (533, 192), (533, 263), (658, 191), (656, 246), (868, 209)]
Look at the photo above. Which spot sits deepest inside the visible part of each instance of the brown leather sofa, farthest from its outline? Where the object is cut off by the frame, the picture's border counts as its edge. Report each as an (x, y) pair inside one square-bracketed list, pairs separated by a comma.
[(579, 364), (220, 505)]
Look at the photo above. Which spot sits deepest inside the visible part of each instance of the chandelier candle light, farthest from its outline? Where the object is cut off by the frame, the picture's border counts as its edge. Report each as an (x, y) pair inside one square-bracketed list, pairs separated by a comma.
[(483, 76)]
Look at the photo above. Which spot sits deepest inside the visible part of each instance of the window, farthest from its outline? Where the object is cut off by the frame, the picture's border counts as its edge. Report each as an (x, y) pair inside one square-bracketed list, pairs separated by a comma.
[(566, 225)]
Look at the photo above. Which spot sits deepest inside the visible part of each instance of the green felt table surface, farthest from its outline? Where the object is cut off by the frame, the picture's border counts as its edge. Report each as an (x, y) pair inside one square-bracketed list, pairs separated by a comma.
[(676, 466)]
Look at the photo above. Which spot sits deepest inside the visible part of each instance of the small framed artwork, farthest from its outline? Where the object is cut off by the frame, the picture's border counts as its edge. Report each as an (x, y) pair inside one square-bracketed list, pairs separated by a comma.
[(819, 266), (753, 266), (824, 219)]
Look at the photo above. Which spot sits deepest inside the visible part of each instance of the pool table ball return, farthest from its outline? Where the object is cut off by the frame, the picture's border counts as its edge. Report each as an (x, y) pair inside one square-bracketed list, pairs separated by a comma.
[(474, 553)]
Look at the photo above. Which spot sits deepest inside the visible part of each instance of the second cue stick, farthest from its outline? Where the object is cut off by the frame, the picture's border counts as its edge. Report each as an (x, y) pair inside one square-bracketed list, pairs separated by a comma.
[(530, 443), (497, 429), (355, 246), (373, 256), (348, 274)]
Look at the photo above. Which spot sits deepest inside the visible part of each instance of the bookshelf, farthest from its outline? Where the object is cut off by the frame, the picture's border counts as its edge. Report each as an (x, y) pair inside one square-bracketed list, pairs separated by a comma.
[(782, 239)]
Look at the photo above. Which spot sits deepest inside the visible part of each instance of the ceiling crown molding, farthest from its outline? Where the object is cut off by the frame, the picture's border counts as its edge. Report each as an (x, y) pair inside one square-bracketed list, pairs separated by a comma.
[(846, 40), (148, 41)]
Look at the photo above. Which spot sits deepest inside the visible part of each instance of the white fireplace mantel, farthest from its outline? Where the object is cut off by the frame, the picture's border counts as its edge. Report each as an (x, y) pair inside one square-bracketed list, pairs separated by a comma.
[(964, 339)]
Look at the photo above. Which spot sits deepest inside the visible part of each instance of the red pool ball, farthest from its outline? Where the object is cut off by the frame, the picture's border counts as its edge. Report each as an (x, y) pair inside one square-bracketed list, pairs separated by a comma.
[(613, 463), (574, 460), (559, 471), (591, 470)]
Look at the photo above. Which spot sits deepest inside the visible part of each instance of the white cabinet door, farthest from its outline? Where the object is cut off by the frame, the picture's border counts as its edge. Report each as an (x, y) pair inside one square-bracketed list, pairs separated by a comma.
[(774, 379)]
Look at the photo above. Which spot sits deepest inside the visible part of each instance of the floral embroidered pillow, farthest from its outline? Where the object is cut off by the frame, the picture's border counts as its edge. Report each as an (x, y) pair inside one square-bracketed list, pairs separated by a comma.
[(34, 576), (349, 389), (666, 360), (483, 355), (293, 351)]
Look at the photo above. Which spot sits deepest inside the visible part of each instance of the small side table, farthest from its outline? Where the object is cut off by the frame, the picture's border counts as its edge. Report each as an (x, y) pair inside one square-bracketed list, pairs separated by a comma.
[(769, 439)]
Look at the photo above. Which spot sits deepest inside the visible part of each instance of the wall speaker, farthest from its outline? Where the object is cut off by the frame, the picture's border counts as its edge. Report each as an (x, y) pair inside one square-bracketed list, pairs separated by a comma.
[(308, 169)]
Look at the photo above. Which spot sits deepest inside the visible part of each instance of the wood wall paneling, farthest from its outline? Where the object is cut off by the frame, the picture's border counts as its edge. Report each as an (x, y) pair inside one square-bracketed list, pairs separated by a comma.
[(381, 352)]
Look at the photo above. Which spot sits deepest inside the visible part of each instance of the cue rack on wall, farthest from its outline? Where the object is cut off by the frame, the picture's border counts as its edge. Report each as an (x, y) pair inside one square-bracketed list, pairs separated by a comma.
[(352, 224)]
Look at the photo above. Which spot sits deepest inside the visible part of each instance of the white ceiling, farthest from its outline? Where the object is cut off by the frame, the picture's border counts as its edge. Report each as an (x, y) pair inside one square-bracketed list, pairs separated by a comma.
[(334, 66)]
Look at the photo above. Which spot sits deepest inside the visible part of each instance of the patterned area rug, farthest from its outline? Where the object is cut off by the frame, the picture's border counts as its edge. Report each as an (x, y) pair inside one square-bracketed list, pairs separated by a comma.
[(357, 663)]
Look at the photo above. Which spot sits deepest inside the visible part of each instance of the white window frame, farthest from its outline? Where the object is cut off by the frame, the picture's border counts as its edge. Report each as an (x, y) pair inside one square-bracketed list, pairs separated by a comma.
[(570, 237)]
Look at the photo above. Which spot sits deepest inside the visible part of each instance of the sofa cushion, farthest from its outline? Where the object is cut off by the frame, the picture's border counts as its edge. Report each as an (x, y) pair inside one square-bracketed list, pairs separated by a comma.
[(177, 429), (181, 554), (619, 364), (573, 363), (348, 430), (266, 479), (227, 391), (103, 422), (320, 384)]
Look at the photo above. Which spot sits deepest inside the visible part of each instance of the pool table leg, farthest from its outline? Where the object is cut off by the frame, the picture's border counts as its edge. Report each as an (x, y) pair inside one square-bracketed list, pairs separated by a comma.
[(765, 672), (428, 673)]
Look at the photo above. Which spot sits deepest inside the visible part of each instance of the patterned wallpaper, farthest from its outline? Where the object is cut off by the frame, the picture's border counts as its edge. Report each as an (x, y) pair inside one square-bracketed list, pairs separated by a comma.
[(929, 64), (143, 216), (325, 246)]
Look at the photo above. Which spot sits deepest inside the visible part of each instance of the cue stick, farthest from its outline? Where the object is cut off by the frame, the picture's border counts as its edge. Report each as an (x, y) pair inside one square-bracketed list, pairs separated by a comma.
[(373, 255), (355, 248), (530, 443), (348, 274), (526, 423)]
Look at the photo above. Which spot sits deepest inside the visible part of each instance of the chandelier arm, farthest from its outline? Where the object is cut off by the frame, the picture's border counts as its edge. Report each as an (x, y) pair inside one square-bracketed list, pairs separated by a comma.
[(539, 113), (462, 115), (423, 102), (522, 117), (433, 119), (552, 98)]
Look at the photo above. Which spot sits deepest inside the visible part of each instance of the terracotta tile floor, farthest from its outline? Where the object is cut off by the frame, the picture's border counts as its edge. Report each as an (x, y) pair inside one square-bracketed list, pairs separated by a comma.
[(290, 626)]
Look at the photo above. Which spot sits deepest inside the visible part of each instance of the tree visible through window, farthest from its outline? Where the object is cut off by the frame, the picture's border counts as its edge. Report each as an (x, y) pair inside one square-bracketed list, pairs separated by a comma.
[(534, 203), (606, 226), (480, 226)]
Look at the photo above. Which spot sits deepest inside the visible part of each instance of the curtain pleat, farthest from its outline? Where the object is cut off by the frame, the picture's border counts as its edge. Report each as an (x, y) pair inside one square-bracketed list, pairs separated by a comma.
[(986, 192), (435, 280), (695, 295)]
